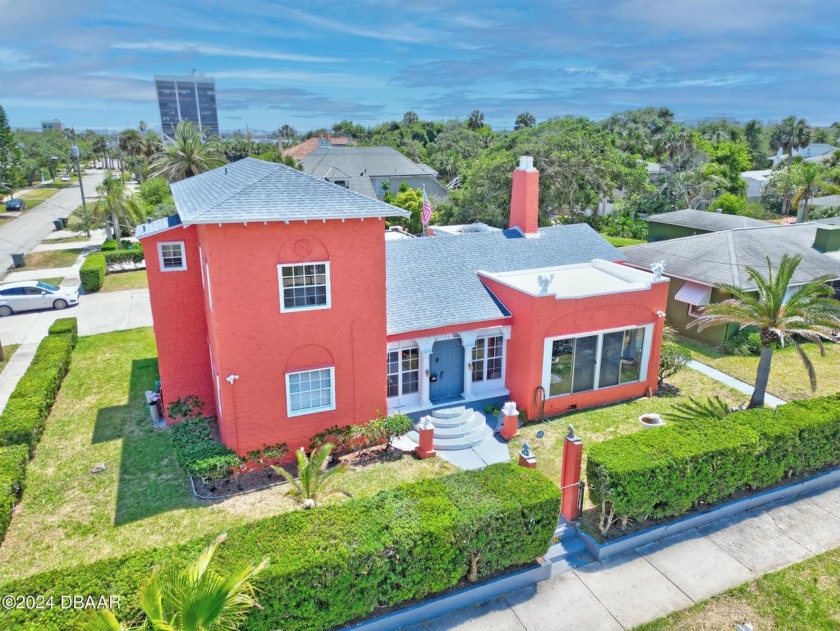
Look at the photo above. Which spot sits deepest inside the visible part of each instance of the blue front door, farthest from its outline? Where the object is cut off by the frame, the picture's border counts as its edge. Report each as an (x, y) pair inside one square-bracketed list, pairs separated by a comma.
[(446, 370)]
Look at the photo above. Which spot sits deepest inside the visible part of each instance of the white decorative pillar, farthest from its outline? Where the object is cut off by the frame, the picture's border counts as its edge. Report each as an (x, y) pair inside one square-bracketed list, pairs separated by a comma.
[(468, 342), (424, 345)]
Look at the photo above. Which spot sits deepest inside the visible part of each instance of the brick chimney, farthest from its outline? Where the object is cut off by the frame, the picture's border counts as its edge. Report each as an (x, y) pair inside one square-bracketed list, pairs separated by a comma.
[(525, 197)]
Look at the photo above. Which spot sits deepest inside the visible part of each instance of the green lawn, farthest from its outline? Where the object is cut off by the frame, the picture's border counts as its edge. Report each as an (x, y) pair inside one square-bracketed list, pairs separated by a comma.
[(598, 424), (125, 280), (74, 239), (51, 258), (52, 281), (788, 378), (802, 597), (8, 351), (622, 241), (42, 193), (68, 516)]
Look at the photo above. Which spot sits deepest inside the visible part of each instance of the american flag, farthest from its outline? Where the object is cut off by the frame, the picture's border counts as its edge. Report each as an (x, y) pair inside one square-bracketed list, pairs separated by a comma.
[(427, 209)]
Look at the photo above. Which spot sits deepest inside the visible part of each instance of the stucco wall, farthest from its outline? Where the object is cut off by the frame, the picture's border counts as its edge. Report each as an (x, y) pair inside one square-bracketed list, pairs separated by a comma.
[(679, 318), (538, 318), (177, 300), (253, 339)]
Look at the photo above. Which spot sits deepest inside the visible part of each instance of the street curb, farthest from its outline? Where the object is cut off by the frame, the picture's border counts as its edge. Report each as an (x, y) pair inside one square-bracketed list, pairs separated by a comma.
[(457, 600), (603, 551)]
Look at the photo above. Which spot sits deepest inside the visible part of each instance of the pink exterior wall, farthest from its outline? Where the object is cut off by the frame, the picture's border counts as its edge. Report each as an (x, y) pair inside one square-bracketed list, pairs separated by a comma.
[(177, 300), (538, 318), (251, 338)]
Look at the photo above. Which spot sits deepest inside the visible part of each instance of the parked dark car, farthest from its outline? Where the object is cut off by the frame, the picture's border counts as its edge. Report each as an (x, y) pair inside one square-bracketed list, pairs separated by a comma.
[(15, 204)]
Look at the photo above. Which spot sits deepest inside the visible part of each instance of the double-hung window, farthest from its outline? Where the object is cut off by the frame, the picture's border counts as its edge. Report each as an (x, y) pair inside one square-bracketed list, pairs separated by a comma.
[(310, 391), (172, 256), (403, 371), (304, 286), (487, 358)]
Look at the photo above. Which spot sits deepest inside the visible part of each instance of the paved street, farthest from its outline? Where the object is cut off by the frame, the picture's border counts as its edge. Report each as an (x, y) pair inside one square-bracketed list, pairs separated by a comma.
[(25, 232)]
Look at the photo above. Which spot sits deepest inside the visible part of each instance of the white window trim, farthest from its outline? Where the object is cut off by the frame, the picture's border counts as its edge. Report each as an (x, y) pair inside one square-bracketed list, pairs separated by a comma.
[(410, 344), (693, 311), (328, 408), (485, 360), (201, 265), (643, 368), (209, 286), (283, 308), (183, 256)]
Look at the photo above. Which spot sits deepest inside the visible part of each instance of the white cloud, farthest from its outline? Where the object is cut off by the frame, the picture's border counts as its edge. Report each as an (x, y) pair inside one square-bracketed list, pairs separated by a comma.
[(392, 32), (13, 59), (220, 51)]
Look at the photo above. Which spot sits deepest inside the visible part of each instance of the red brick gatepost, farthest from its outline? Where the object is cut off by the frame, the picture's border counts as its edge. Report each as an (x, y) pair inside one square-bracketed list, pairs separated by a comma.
[(427, 433), (570, 477), (510, 421)]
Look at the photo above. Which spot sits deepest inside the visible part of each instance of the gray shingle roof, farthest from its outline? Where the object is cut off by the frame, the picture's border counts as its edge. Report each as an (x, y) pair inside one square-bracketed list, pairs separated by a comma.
[(705, 220), (720, 258), (432, 282), (256, 190), (359, 164)]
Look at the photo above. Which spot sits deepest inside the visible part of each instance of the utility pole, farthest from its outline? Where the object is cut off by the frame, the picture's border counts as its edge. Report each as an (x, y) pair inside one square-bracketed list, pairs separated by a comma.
[(74, 150)]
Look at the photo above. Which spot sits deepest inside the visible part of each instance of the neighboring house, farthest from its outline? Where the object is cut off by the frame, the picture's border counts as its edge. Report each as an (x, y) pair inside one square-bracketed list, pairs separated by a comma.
[(656, 172), (815, 152), (689, 222), (826, 200), (697, 265), (278, 301), (303, 149), (755, 182), (367, 169)]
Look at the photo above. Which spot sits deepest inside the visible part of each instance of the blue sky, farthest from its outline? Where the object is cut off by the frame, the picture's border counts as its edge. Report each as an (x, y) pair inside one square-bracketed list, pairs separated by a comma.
[(90, 63)]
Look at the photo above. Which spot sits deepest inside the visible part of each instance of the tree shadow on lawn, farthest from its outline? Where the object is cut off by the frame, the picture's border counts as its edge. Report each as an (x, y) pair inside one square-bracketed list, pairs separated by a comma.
[(150, 480)]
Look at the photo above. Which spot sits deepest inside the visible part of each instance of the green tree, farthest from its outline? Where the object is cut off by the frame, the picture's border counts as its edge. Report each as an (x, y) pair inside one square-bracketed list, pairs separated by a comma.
[(476, 120), (756, 139), (188, 154), (790, 135), (314, 479), (410, 118), (10, 157), (196, 598), (115, 202), (729, 203), (809, 312), (410, 199), (525, 119)]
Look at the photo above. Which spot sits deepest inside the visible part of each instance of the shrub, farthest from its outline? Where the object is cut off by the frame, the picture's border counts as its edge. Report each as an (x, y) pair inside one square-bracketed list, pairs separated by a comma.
[(667, 471), (358, 437), (335, 564), (673, 358), (120, 257), (197, 450), (65, 326), (22, 422), (92, 272), (12, 472), (110, 245)]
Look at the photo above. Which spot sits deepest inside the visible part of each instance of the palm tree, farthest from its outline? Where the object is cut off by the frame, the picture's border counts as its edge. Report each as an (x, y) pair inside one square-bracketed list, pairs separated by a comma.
[(117, 204), (192, 599), (288, 132), (188, 154), (525, 119), (811, 176), (313, 479), (476, 120), (142, 126), (781, 313), (409, 118), (789, 135)]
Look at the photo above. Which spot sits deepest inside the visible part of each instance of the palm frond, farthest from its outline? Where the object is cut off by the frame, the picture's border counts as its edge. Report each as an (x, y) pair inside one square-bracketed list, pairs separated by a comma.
[(809, 366)]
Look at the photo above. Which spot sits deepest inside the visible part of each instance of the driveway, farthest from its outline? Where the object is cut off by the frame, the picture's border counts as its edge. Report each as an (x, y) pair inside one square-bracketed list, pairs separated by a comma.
[(25, 232)]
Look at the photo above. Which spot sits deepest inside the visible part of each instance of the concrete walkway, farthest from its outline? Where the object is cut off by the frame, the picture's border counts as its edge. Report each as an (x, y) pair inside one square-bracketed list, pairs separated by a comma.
[(666, 576), (730, 381)]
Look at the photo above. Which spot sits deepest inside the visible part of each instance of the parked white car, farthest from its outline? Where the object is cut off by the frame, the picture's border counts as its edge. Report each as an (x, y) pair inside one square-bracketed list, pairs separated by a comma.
[(27, 295)]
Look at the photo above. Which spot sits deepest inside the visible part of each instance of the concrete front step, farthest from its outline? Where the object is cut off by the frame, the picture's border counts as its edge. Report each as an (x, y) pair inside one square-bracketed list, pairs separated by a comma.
[(456, 428), (454, 417)]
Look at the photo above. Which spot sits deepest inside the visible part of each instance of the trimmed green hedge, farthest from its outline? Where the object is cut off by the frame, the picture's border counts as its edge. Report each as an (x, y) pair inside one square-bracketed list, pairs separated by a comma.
[(12, 473), (339, 563), (92, 272), (22, 422), (667, 471), (200, 453), (118, 257), (68, 326)]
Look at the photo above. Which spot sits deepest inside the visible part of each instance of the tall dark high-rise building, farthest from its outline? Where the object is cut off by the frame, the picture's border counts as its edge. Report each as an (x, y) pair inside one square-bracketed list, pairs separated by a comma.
[(191, 98)]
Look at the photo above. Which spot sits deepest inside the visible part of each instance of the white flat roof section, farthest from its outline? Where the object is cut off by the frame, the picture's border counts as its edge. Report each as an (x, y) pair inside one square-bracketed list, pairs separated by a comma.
[(582, 280)]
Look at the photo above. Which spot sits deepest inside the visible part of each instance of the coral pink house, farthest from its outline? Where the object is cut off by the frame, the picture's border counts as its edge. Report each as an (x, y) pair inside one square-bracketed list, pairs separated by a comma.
[(277, 300)]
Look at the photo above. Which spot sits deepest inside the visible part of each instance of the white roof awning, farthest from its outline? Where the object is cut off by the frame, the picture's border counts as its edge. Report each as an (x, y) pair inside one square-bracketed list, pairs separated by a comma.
[(694, 294)]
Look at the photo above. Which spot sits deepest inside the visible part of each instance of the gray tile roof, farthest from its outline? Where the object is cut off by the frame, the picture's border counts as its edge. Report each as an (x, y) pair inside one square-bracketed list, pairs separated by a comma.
[(432, 281), (705, 220), (720, 258), (357, 165), (256, 190)]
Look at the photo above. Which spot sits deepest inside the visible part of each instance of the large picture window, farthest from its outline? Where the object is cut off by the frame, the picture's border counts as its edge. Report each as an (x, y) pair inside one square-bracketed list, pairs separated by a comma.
[(591, 362), (403, 371), (305, 286), (310, 391), (487, 358)]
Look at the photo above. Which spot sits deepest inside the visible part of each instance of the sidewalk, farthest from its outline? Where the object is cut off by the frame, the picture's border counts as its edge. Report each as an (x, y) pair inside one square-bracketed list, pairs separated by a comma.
[(730, 381), (665, 576)]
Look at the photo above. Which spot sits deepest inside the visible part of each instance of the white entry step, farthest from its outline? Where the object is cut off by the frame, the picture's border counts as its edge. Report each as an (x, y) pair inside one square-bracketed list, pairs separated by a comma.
[(456, 428)]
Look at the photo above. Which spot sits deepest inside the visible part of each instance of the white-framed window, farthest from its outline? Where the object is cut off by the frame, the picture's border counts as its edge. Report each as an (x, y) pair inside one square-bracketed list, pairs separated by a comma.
[(487, 358), (596, 360), (172, 256), (696, 311), (310, 391), (403, 371), (304, 286)]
